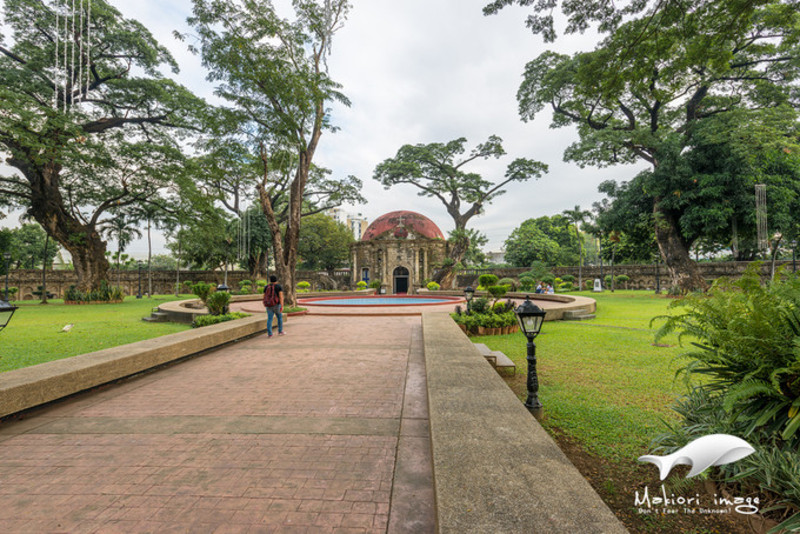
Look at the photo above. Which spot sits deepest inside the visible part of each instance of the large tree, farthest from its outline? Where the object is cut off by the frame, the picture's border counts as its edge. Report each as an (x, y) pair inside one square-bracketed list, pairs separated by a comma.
[(324, 243), (90, 136), (639, 95), (546, 239), (274, 72), (436, 169)]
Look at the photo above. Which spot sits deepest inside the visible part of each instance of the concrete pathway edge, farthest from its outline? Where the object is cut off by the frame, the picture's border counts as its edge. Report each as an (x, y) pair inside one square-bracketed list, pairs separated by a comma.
[(495, 468)]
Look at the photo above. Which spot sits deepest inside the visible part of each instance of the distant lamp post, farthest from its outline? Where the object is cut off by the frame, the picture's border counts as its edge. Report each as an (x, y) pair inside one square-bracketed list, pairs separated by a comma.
[(139, 265), (531, 317), (468, 294), (223, 287), (6, 311), (7, 257)]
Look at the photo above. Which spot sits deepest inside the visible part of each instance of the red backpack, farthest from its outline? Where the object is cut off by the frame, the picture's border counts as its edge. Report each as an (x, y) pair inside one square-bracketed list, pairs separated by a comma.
[(271, 296)]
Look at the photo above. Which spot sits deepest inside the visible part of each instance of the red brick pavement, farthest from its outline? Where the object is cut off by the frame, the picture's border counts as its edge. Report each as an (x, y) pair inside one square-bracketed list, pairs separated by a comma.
[(299, 433)]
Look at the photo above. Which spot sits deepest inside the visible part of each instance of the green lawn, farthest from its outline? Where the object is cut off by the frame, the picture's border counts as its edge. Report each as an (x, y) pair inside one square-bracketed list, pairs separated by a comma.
[(602, 382), (34, 334)]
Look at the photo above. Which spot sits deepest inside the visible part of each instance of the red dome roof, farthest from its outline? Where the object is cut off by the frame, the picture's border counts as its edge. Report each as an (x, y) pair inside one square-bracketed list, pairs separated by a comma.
[(398, 223)]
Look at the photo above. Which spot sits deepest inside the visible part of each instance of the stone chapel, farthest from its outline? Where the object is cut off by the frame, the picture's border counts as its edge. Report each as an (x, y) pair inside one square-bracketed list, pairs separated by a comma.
[(401, 249)]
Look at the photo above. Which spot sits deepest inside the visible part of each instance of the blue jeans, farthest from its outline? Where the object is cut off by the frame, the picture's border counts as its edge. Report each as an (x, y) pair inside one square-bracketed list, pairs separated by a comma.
[(270, 312)]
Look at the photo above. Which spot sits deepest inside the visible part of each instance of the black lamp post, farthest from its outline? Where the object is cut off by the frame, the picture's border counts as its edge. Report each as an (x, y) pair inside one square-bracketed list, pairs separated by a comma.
[(531, 317), (469, 293), (6, 311), (7, 257), (139, 265)]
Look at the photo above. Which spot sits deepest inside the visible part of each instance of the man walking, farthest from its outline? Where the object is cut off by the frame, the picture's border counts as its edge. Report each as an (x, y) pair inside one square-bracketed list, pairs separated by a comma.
[(273, 302)]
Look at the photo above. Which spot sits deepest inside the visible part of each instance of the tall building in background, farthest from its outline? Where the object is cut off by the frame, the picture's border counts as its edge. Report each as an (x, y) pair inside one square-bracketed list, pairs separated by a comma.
[(357, 224)]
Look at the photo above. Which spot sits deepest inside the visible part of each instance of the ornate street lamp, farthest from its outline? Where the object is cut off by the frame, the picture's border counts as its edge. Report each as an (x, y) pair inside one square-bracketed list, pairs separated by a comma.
[(531, 317), (7, 257), (139, 265), (468, 294), (6, 311)]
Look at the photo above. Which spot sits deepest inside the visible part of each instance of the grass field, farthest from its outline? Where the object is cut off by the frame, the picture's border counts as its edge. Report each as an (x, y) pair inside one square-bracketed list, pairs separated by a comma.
[(34, 333), (603, 382)]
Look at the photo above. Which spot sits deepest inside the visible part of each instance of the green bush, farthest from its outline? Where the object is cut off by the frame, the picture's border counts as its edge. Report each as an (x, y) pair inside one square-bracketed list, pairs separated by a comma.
[(202, 290), (568, 278), (217, 302), (504, 307), (261, 284), (480, 305), (433, 286), (303, 285), (497, 292), (375, 284), (589, 284), (206, 320), (245, 283), (361, 285), (486, 280), (745, 337), (549, 279), (565, 286), (526, 282), (512, 284), (104, 293), (12, 291)]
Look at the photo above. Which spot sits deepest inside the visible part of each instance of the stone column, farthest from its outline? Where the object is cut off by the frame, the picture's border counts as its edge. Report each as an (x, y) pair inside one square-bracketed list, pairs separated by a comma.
[(424, 264), (385, 273), (415, 271), (355, 267)]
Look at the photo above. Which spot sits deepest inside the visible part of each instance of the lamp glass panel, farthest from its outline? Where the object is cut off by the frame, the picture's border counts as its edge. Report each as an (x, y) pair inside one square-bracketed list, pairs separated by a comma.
[(5, 316)]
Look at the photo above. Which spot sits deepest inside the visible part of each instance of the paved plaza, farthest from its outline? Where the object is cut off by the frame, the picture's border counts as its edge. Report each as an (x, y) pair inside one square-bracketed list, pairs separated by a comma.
[(322, 430)]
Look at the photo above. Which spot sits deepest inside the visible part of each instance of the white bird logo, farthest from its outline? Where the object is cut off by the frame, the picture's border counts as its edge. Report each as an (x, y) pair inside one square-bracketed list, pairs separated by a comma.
[(702, 453)]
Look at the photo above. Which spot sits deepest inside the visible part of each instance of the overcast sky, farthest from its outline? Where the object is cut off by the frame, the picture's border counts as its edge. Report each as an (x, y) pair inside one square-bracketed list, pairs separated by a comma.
[(423, 71)]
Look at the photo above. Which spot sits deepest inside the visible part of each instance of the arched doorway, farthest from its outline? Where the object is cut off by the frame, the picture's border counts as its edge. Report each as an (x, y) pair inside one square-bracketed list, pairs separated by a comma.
[(400, 275)]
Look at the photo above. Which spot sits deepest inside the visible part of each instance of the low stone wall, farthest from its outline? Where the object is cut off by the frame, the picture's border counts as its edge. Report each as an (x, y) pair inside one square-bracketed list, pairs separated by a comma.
[(495, 469), (25, 388), (28, 280), (641, 276)]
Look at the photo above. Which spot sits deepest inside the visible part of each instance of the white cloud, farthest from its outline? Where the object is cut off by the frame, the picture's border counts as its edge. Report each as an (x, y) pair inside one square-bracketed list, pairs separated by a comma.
[(421, 71)]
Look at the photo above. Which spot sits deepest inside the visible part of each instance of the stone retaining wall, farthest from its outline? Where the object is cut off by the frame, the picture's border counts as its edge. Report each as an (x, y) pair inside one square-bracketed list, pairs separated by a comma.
[(641, 276), (28, 280)]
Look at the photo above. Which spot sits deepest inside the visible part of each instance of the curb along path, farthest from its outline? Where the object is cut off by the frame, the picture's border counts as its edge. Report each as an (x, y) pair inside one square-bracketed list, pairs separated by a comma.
[(322, 430)]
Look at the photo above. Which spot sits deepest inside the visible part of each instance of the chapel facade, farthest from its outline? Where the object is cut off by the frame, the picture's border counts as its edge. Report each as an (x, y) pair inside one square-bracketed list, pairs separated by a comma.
[(401, 249)]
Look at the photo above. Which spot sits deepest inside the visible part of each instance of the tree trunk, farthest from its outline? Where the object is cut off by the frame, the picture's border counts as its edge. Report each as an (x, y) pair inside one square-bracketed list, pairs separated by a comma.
[(284, 244), (149, 258), (81, 240), (44, 269), (178, 264), (674, 249), (446, 277)]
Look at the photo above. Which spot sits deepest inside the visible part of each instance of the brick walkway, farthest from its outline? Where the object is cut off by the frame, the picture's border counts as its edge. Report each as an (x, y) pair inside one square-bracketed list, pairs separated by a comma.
[(322, 430)]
